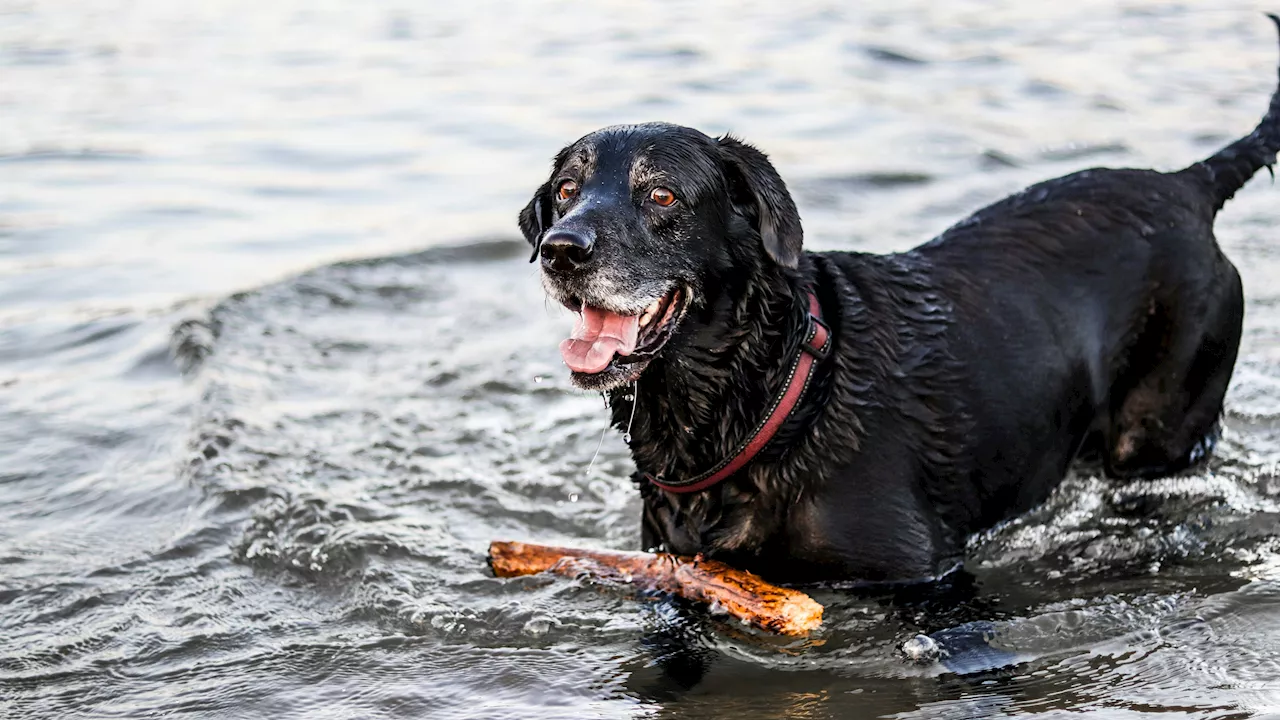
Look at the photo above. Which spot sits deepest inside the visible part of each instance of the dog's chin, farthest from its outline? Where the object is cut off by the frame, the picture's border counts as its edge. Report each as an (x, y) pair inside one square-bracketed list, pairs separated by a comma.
[(612, 377)]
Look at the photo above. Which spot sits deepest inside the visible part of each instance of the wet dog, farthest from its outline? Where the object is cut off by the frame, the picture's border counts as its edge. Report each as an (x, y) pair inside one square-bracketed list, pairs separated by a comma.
[(846, 416)]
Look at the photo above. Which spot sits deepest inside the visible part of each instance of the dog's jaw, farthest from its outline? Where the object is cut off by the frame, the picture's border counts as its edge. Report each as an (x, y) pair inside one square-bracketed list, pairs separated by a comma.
[(611, 378), (652, 329)]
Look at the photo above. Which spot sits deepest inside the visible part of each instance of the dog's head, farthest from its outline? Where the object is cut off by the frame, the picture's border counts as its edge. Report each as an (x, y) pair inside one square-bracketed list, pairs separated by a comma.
[(637, 224)]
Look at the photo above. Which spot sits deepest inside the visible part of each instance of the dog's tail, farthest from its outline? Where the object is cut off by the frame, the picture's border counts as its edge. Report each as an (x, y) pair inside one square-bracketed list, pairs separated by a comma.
[(1231, 167)]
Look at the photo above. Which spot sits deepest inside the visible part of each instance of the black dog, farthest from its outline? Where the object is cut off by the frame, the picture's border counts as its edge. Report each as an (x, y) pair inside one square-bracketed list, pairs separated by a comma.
[(944, 388)]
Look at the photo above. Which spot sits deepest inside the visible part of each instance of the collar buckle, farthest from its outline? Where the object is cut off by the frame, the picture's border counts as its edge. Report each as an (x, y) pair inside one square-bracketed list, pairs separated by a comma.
[(818, 344)]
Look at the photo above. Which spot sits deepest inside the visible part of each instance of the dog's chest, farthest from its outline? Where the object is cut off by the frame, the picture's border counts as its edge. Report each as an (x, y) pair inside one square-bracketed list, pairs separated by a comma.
[(757, 527)]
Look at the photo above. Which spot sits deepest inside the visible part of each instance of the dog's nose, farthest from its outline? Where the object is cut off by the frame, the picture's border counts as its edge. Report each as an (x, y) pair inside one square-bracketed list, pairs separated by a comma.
[(565, 250)]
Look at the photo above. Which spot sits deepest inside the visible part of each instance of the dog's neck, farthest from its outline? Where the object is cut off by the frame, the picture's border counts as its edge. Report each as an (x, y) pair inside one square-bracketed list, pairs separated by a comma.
[(695, 406)]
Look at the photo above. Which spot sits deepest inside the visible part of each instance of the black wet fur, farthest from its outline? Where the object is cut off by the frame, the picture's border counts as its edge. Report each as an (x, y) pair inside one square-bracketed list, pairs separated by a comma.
[(1094, 312)]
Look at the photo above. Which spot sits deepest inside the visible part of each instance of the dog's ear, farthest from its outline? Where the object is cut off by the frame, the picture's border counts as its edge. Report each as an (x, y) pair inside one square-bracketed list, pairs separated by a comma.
[(535, 218), (755, 184)]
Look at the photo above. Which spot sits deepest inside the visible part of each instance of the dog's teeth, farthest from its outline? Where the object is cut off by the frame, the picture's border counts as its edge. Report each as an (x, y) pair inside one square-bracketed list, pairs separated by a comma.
[(649, 312)]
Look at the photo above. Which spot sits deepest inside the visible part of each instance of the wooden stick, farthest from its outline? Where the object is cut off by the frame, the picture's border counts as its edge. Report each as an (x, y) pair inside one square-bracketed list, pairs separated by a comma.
[(742, 594)]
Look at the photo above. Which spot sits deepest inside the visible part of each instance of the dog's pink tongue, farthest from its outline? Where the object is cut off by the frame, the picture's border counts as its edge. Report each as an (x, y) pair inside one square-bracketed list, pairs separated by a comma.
[(597, 337)]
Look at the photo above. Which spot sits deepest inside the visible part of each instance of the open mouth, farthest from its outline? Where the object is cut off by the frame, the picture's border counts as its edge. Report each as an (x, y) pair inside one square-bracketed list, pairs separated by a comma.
[(602, 337)]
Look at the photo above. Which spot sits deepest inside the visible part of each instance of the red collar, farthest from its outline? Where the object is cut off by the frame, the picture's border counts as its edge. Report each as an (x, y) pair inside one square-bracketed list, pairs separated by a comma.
[(814, 349)]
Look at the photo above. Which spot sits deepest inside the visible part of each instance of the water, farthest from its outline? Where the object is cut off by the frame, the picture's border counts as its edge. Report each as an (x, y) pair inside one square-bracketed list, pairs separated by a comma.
[(244, 473)]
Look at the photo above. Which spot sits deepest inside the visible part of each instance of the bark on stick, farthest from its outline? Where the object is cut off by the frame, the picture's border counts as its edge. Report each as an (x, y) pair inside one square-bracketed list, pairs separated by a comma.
[(741, 594)]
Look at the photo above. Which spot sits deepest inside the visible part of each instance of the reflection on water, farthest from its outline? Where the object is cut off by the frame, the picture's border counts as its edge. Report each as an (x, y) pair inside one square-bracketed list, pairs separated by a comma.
[(276, 503)]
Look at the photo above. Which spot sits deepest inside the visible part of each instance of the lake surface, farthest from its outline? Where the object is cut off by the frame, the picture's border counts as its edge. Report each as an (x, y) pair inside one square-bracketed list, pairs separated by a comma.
[(274, 369)]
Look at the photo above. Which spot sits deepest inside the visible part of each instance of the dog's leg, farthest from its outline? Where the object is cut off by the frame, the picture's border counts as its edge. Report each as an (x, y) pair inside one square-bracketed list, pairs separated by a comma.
[(1169, 420), (1169, 406)]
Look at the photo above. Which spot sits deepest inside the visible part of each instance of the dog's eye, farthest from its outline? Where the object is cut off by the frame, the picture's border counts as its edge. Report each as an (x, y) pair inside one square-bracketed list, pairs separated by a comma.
[(662, 196), (568, 189)]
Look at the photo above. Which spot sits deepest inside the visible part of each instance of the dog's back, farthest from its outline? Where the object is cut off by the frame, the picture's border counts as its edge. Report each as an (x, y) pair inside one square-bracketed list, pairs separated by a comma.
[(1091, 312), (1072, 251)]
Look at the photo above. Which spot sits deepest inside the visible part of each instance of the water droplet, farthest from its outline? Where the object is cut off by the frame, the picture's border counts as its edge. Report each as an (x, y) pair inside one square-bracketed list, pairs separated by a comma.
[(626, 438), (921, 650), (538, 627)]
